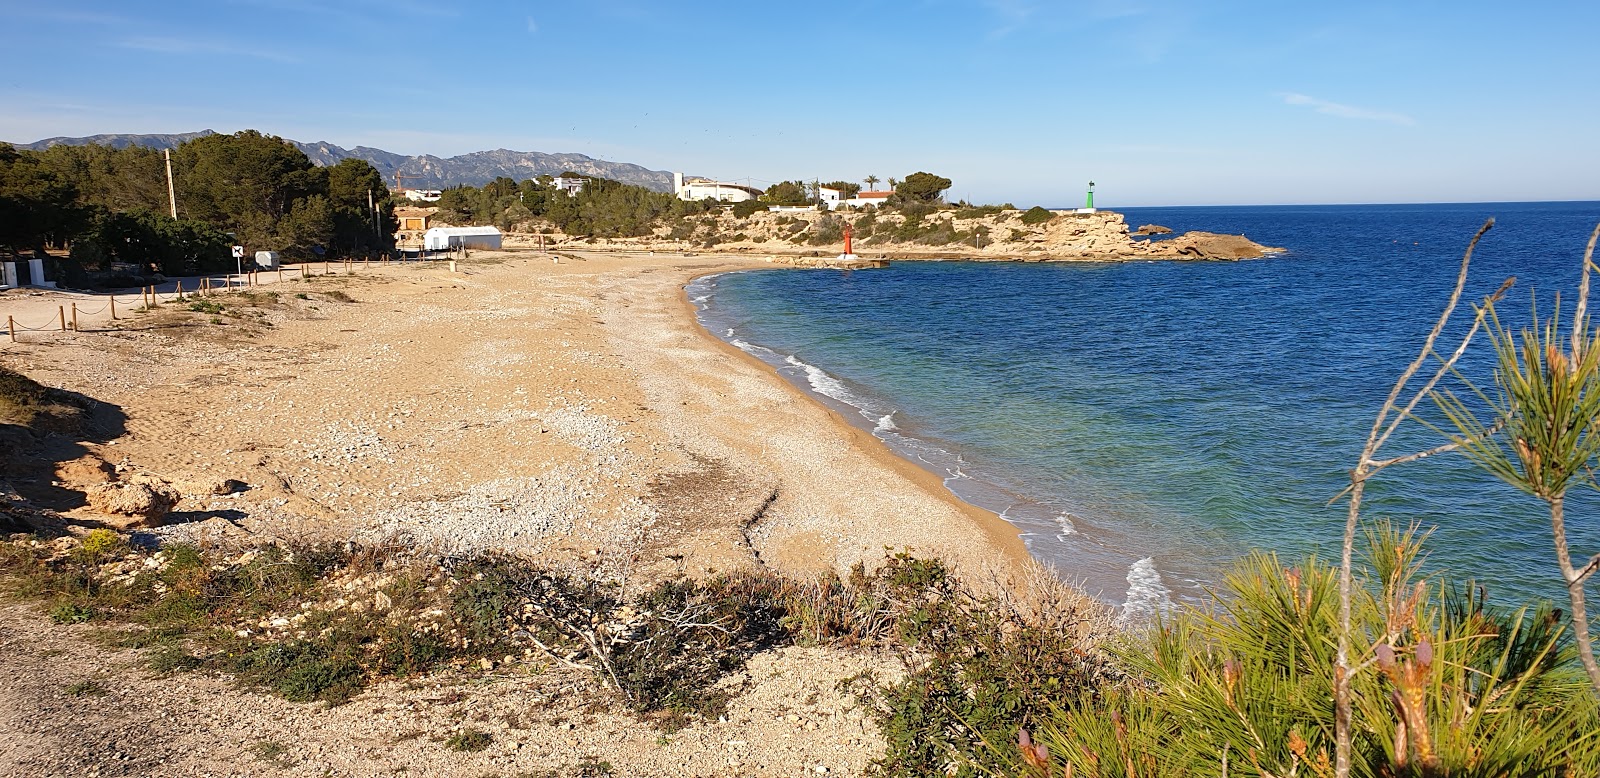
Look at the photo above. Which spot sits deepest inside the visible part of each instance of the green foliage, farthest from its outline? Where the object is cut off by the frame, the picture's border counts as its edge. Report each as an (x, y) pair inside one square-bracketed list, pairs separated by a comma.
[(325, 669), (978, 212), (846, 189), (71, 613), (468, 739), (153, 241), (922, 187), (1036, 215), (987, 666), (1459, 688), (826, 230), (787, 193), (85, 688), (38, 207), (110, 205), (745, 208)]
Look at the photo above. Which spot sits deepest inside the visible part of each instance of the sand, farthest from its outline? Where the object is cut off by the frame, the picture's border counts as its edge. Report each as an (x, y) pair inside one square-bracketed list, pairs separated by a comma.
[(557, 410)]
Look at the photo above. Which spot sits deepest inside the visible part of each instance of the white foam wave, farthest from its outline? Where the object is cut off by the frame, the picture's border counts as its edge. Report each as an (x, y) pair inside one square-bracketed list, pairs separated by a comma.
[(1148, 597), (886, 423), (822, 383), (1064, 521)]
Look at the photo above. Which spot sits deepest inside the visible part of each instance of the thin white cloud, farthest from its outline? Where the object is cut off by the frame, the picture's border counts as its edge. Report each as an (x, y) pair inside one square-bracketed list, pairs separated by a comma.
[(165, 45), (1347, 111), (533, 26)]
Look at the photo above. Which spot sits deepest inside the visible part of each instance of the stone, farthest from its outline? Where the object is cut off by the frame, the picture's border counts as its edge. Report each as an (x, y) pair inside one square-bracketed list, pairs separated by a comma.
[(1152, 229), (87, 470), (1211, 245), (145, 501)]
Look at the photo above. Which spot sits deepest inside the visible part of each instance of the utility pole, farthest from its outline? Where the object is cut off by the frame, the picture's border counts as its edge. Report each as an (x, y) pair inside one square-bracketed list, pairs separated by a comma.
[(377, 231), (172, 197)]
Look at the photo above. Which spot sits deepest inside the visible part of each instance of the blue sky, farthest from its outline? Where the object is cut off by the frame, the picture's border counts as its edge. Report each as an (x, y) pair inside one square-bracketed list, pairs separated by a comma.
[(1160, 102)]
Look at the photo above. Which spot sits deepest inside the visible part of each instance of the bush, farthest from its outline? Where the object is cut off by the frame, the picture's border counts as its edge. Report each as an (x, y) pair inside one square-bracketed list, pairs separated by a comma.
[(746, 208), (468, 739), (1460, 688), (1037, 215)]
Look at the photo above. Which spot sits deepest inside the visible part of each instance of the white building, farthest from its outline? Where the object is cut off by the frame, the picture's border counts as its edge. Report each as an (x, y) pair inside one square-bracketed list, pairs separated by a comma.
[(424, 195), (706, 189), (569, 184), (445, 238), (861, 198)]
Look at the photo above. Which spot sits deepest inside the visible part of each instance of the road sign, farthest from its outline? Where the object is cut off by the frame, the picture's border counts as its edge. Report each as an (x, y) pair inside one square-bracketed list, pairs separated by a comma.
[(238, 252)]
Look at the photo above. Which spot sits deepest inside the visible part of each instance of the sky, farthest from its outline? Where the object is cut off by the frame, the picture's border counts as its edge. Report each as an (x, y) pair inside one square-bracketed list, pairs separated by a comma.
[(1160, 102)]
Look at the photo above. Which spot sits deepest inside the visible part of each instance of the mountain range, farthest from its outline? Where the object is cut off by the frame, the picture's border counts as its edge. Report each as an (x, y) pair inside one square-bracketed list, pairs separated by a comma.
[(419, 172)]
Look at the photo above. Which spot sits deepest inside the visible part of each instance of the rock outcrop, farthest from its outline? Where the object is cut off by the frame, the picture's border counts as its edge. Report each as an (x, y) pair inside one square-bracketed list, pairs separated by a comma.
[(1211, 245), (144, 499), (1152, 229)]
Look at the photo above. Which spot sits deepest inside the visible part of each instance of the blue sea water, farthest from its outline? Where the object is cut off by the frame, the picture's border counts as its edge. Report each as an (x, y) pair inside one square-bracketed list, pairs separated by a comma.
[(1147, 423)]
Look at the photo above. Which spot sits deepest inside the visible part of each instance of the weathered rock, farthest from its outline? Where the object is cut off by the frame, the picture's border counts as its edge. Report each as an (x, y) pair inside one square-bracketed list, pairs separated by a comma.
[(87, 470), (1211, 245), (1152, 229), (212, 485), (148, 500)]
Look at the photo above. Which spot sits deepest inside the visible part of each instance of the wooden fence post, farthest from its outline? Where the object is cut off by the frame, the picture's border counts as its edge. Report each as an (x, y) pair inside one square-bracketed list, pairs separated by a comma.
[(75, 318), (11, 327), (113, 307), (62, 310)]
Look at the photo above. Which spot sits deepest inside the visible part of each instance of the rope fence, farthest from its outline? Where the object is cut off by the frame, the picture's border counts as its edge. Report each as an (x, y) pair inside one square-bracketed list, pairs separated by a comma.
[(148, 298)]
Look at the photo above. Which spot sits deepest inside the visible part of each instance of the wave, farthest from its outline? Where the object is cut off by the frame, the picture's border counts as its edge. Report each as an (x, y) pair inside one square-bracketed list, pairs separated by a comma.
[(1064, 520), (886, 423), (1148, 597)]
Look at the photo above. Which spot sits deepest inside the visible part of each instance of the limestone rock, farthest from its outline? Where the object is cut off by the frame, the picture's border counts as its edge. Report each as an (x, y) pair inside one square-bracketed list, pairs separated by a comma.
[(1152, 229), (212, 485), (87, 470), (1211, 245), (147, 500)]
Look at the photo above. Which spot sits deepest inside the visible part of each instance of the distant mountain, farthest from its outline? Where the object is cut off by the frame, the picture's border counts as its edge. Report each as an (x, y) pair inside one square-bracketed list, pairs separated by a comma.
[(423, 172), (119, 141)]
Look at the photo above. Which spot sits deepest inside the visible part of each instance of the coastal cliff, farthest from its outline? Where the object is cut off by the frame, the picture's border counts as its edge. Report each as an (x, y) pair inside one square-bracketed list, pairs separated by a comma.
[(950, 233)]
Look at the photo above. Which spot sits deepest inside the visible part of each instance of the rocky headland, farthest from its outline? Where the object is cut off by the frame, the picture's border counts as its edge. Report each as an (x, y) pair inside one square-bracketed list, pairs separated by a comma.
[(950, 233)]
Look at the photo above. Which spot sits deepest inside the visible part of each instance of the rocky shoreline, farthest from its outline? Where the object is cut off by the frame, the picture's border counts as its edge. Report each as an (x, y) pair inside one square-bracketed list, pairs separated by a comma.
[(983, 234)]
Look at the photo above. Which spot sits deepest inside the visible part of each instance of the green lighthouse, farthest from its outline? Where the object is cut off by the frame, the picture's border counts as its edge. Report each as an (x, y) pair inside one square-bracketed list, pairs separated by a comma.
[(1090, 204)]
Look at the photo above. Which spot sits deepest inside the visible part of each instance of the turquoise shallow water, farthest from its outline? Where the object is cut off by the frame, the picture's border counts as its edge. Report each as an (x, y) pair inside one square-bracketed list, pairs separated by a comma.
[(1146, 423)]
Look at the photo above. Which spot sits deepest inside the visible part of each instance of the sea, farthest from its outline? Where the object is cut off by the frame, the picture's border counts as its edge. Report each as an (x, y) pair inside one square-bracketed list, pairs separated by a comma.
[(1146, 424)]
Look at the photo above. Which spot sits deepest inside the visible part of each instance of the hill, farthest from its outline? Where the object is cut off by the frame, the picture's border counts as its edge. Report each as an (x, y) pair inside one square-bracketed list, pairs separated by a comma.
[(425, 171)]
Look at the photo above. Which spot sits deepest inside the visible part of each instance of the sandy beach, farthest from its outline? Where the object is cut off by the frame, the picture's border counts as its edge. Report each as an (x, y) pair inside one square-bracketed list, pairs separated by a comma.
[(559, 410)]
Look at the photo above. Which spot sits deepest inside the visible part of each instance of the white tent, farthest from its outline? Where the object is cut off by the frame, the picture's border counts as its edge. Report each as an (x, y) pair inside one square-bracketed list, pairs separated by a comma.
[(444, 238)]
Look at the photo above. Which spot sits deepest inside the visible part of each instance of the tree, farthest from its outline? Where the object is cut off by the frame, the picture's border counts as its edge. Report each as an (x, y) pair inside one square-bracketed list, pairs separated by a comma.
[(1543, 436), (37, 207), (922, 187), (245, 182), (787, 193), (350, 185), (310, 223), (846, 189), (871, 181)]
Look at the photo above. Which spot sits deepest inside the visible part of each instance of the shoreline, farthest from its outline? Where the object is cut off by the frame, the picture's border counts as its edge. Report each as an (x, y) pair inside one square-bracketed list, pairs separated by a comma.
[(1000, 531)]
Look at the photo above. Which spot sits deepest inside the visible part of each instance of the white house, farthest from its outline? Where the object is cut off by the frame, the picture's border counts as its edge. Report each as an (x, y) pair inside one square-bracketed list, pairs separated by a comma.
[(569, 184), (445, 238), (424, 195), (706, 189), (861, 198)]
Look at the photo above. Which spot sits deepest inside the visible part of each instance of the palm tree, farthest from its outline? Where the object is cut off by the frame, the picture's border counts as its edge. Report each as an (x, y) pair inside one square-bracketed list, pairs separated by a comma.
[(893, 183), (871, 182)]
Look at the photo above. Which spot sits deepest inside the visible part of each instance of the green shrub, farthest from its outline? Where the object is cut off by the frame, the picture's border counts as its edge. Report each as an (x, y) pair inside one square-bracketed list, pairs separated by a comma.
[(468, 739), (1037, 215), (746, 208), (1459, 688), (71, 613)]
